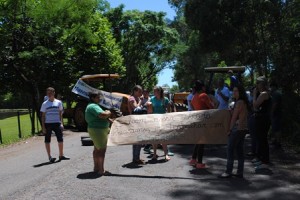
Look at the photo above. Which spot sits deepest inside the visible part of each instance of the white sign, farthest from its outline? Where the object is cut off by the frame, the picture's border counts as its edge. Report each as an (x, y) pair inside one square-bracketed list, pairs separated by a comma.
[(195, 127), (108, 100)]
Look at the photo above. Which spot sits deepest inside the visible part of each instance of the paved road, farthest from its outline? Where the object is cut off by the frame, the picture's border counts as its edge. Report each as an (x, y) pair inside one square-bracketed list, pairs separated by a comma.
[(25, 174)]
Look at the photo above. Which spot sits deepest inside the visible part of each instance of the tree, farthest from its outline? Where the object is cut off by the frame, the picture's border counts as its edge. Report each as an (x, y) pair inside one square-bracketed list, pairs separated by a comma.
[(146, 42), (53, 43)]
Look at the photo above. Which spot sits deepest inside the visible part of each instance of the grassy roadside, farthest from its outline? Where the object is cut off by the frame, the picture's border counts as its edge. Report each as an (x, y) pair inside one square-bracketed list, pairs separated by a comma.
[(9, 128)]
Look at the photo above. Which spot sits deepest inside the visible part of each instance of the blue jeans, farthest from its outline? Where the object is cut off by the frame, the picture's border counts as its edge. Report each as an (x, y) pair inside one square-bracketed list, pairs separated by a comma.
[(235, 144), (136, 151)]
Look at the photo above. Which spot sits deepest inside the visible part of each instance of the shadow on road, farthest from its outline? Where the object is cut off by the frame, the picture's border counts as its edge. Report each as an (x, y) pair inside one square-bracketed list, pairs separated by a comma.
[(44, 164), (88, 175)]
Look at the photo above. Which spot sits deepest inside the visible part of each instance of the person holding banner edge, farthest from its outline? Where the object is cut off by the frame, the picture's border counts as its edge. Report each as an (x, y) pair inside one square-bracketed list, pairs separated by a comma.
[(135, 107), (160, 105), (200, 101), (98, 129)]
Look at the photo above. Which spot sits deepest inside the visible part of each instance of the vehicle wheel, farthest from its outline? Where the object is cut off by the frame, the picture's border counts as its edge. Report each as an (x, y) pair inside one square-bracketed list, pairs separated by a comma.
[(87, 141), (79, 119), (180, 107)]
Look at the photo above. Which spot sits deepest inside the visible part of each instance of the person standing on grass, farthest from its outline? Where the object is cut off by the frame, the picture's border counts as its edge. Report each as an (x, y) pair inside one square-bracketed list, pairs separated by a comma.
[(98, 129), (200, 101), (135, 108), (52, 120), (160, 105), (238, 129), (222, 95)]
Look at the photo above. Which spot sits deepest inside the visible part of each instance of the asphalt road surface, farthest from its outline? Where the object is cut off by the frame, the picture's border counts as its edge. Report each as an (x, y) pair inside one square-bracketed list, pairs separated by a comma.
[(26, 174)]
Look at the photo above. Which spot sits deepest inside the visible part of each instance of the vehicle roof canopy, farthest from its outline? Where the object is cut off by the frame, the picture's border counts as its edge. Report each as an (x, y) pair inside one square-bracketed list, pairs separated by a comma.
[(234, 69), (99, 77)]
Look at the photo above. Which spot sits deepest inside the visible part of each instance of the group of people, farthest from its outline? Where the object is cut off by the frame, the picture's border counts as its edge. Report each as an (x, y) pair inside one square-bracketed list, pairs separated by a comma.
[(251, 113)]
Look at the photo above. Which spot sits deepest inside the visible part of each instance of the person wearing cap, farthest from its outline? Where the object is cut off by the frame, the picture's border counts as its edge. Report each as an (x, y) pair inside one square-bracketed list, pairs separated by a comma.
[(222, 95), (233, 80), (262, 106), (200, 101), (98, 129)]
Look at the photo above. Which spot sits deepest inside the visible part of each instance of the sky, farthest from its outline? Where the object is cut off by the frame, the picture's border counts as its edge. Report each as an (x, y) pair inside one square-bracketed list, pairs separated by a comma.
[(165, 77)]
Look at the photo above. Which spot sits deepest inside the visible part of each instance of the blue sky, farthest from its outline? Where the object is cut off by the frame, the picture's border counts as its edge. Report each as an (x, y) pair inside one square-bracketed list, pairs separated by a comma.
[(165, 77)]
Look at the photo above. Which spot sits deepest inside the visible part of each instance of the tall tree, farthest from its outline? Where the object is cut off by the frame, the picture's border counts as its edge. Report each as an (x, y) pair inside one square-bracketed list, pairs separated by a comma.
[(146, 42), (53, 43)]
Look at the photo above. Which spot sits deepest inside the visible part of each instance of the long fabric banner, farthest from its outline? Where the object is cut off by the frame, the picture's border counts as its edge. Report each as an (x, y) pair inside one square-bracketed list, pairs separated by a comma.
[(195, 127), (108, 100)]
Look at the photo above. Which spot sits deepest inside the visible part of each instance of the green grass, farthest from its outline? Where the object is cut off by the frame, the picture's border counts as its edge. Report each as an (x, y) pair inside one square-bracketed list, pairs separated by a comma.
[(9, 128)]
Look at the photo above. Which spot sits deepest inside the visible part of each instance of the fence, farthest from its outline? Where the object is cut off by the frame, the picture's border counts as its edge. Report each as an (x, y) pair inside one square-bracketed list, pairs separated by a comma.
[(15, 125)]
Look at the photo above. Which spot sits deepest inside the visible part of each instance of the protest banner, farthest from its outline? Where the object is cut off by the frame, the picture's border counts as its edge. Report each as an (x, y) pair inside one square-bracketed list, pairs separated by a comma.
[(108, 100), (195, 127)]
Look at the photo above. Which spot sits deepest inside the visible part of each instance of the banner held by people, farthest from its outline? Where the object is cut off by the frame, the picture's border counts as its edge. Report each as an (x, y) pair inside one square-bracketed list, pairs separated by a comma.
[(196, 127), (108, 100)]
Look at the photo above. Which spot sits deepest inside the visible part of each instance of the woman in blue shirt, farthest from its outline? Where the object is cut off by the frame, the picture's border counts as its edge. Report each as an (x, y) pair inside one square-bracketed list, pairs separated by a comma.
[(160, 105)]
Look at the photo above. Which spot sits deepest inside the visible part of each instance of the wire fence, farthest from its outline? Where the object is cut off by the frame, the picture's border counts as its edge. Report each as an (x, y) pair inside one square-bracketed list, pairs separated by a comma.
[(16, 125)]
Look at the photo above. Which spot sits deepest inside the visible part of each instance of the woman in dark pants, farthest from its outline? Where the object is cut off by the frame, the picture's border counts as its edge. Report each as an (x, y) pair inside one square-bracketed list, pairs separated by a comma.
[(200, 101), (262, 105), (237, 130)]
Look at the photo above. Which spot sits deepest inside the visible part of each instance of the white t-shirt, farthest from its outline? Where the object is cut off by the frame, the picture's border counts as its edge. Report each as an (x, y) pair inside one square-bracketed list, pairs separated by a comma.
[(52, 110), (189, 99), (223, 104)]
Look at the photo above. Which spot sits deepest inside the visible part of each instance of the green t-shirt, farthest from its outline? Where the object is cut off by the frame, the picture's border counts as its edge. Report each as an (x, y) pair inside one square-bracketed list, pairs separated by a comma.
[(159, 106), (92, 113)]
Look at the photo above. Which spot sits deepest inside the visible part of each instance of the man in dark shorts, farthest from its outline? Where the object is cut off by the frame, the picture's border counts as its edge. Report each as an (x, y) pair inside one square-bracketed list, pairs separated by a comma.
[(52, 120)]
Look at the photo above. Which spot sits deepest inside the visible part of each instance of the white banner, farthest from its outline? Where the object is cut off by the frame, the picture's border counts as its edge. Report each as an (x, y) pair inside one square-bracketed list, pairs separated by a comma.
[(195, 127), (108, 100)]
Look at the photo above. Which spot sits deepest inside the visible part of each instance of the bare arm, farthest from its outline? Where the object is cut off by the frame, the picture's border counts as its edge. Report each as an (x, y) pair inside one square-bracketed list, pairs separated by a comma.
[(235, 115), (261, 98), (61, 118), (104, 115)]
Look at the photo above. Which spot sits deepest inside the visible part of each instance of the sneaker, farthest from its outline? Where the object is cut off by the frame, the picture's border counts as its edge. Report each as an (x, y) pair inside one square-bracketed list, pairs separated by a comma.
[(225, 175), (200, 166), (193, 162), (63, 158), (139, 162), (52, 160)]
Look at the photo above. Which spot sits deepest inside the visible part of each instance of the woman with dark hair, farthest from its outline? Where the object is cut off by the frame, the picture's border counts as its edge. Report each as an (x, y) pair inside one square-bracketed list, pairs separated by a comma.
[(238, 128), (262, 106), (98, 129), (200, 101), (160, 105), (135, 107)]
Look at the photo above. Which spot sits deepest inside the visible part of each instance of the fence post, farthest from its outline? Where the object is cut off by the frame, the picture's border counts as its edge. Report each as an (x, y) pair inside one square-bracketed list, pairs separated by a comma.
[(1, 137), (19, 125)]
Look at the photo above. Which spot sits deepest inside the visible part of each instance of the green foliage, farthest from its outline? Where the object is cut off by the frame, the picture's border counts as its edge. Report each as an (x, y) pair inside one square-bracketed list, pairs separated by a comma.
[(146, 42)]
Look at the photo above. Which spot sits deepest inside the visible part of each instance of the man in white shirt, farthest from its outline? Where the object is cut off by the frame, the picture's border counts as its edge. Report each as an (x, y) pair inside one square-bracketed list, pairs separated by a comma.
[(52, 120), (222, 95)]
